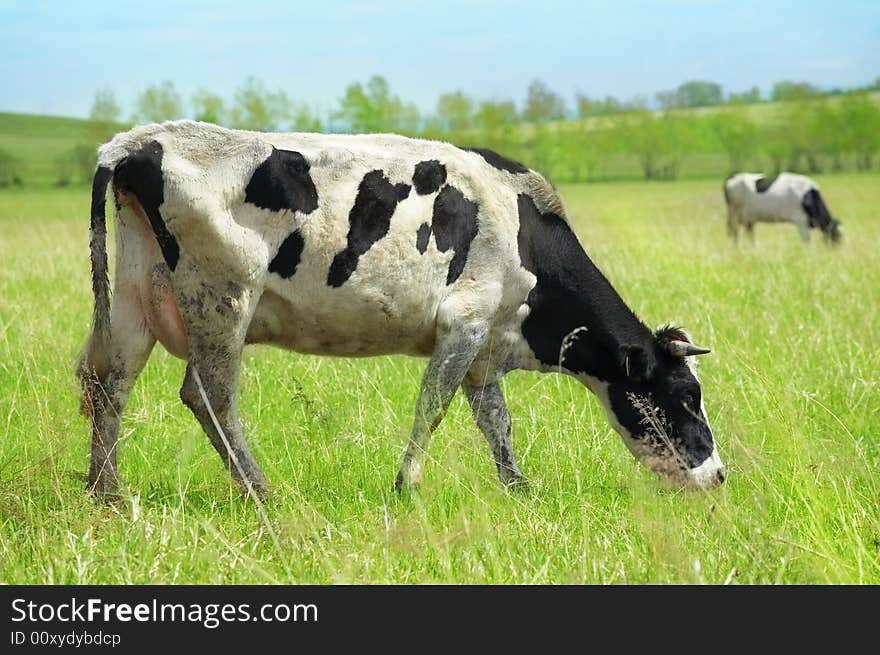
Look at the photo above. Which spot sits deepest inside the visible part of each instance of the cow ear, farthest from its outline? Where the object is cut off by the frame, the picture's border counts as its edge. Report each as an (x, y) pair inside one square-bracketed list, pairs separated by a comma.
[(637, 362)]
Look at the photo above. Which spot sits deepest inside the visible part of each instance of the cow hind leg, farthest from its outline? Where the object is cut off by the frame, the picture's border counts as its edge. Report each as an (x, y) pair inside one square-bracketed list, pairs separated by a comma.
[(454, 352), (493, 419), (732, 227), (216, 321), (107, 370)]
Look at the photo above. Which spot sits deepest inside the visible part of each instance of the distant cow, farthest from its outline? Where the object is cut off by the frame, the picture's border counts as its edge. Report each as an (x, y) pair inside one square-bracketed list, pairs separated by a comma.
[(752, 198), (365, 245)]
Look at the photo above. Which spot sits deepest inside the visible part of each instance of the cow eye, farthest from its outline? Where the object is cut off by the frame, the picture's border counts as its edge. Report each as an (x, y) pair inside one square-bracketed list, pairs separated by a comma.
[(689, 401)]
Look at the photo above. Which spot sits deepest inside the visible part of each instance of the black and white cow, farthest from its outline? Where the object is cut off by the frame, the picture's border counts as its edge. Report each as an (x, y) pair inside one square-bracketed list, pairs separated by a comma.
[(787, 198), (356, 246)]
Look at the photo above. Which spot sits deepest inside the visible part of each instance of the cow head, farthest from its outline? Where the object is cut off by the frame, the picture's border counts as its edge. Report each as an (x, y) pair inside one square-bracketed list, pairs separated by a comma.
[(833, 231), (655, 403)]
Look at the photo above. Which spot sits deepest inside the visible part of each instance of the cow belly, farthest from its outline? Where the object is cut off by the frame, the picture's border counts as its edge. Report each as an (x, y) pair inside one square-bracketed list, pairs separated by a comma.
[(344, 324)]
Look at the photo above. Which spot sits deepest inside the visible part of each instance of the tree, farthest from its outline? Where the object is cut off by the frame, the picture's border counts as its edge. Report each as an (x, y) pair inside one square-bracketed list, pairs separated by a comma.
[(861, 118), (374, 109), (159, 102), (667, 99), (586, 106), (9, 165), (829, 127), (787, 90), (775, 143), (738, 135), (677, 139), (802, 134), (103, 116), (455, 111), (542, 104), (105, 109), (85, 159), (256, 108), (607, 105), (208, 107), (637, 102), (699, 93), (584, 150), (493, 114), (303, 119), (638, 131), (660, 143), (748, 97)]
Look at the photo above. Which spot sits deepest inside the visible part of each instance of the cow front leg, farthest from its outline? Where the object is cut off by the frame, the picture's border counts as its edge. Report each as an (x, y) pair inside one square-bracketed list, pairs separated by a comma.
[(216, 322), (804, 232), (108, 368), (454, 352), (493, 419)]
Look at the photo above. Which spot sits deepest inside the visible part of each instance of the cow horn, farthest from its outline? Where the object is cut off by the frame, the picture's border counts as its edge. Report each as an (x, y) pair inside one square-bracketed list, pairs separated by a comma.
[(679, 348)]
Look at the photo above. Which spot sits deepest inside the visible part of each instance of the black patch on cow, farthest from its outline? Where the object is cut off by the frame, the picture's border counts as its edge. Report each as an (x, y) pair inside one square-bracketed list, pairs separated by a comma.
[(429, 176), (140, 174), (764, 183), (570, 293), (283, 181), (287, 259), (498, 161), (369, 221), (422, 237), (454, 226)]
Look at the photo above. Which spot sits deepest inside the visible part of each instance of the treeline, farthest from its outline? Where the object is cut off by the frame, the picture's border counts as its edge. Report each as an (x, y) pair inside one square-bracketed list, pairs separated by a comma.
[(804, 129)]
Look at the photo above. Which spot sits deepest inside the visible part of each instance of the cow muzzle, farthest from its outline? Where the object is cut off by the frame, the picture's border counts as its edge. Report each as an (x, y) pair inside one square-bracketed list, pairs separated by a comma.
[(710, 473), (707, 475)]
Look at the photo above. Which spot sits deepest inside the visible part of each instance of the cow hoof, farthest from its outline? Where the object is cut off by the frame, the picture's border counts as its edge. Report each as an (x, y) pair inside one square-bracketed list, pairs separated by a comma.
[(517, 483), (105, 492), (259, 490), (401, 487)]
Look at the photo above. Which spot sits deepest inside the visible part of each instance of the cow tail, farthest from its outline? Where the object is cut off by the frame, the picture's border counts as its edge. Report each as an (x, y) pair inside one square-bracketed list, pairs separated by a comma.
[(98, 254)]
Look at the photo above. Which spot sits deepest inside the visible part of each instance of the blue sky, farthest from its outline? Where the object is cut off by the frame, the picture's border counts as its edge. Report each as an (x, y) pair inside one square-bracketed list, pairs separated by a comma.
[(55, 54)]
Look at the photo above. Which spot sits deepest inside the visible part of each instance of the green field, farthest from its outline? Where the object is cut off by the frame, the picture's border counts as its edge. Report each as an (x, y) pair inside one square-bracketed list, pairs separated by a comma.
[(792, 391)]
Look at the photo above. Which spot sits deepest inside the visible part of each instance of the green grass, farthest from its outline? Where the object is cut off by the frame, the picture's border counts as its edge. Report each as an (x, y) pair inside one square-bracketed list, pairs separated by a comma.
[(792, 390)]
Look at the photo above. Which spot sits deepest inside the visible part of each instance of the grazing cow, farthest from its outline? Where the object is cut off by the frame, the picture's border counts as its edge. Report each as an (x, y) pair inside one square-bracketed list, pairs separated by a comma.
[(791, 198), (356, 246)]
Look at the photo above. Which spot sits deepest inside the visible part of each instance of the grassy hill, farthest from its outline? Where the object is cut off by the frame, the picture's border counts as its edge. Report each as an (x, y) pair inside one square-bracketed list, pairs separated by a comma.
[(36, 143)]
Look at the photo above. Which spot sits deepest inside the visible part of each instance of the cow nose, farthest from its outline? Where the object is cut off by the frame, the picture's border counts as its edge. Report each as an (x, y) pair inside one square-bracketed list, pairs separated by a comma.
[(719, 476)]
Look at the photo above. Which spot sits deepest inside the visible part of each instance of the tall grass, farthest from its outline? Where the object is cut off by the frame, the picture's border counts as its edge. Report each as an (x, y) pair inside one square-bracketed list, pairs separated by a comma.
[(792, 390)]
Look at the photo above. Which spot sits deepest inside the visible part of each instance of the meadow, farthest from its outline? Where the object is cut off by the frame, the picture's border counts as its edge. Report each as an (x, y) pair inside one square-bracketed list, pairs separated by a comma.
[(792, 391)]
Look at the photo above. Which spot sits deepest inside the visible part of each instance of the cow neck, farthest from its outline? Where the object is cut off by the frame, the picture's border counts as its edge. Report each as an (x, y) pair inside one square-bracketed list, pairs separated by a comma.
[(572, 299)]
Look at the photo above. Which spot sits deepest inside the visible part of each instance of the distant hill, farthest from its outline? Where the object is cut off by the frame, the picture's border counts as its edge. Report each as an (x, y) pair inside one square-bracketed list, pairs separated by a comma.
[(38, 142)]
